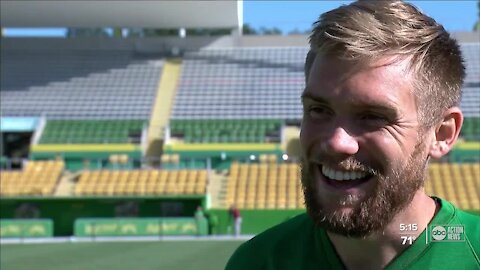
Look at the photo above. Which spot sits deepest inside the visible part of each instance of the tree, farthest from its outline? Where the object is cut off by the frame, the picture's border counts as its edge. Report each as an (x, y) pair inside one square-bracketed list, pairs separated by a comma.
[(248, 30), (476, 27), (208, 32), (296, 31), (270, 31), (149, 32), (117, 32), (87, 32)]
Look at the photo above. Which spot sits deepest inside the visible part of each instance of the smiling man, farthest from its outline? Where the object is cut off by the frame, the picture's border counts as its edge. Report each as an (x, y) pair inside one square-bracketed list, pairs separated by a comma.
[(383, 85)]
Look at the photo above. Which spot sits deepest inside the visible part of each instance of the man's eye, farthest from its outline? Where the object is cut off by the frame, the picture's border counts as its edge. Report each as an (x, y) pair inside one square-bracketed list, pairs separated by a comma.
[(316, 111), (373, 117)]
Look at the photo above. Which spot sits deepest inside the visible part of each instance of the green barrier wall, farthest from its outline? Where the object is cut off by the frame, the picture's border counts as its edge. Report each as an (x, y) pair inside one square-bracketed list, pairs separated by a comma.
[(64, 211), (253, 221), (26, 228), (257, 221), (464, 155), (140, 227)]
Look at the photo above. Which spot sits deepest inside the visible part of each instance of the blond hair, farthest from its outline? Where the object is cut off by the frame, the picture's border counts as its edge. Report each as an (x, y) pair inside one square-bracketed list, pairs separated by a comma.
[(365, 31)]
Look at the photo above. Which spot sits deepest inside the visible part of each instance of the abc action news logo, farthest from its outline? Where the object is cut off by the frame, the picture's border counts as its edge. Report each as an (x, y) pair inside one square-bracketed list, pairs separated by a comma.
[(447, 233)]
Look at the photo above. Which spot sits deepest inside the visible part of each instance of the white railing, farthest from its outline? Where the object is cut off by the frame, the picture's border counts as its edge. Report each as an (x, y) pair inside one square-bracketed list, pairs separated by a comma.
[(144, 140), (166, 136), (39, 130)]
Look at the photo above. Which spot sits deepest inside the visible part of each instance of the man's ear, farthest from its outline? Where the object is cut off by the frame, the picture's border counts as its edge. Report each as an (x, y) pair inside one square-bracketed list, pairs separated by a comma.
[(446, 132)]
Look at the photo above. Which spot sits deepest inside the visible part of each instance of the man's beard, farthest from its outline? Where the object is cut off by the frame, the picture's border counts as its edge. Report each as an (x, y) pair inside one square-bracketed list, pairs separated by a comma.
[(392, 193)]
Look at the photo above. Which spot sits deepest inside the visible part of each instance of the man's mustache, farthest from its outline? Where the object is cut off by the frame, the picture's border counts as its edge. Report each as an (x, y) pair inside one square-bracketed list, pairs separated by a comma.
[(348, 164)]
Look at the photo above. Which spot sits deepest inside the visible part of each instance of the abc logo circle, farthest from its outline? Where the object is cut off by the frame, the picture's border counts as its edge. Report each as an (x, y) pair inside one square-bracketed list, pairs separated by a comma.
[(439, 233)]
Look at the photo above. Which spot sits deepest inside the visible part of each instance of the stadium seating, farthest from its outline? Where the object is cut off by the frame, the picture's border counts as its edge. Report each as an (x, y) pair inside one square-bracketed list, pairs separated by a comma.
[(37, 178), (264, 186), (266, 83), (224, 95), (472, 62), (277, 186), (78, 83), (241, 83), (142, 182), (456, 182), (91, 131), (471, 128), (227, 131), (470, 102)]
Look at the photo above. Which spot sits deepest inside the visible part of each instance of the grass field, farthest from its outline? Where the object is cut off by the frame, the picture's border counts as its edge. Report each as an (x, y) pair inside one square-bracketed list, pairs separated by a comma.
[(118, 255)]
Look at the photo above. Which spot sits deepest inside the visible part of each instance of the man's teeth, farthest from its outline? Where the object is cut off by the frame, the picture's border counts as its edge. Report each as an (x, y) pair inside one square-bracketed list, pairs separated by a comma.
[(342, 175)]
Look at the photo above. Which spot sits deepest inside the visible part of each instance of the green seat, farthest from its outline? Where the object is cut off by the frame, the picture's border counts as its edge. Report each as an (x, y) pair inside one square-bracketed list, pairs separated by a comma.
[(89, 131)]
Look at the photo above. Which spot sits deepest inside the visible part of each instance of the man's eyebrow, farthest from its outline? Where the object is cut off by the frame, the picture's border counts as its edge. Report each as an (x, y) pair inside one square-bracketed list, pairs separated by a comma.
[(388, 109), (307, 95)]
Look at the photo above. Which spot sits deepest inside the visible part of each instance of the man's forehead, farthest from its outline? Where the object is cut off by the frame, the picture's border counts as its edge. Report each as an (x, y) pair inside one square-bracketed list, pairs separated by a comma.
[(328, 64), (382, 85), (385, 75)]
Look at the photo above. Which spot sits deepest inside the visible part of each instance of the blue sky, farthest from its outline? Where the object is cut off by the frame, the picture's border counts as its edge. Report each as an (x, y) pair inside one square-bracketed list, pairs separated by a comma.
[(290, 15)]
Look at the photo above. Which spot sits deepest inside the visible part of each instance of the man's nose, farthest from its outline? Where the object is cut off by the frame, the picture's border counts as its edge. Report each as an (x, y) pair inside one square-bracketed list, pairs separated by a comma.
[(340, 143)]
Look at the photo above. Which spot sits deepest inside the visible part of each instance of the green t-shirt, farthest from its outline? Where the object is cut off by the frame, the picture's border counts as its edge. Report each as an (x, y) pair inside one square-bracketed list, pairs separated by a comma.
[(298, 244)]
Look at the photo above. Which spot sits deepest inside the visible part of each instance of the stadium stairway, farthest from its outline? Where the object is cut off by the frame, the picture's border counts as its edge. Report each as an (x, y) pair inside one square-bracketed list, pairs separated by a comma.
[(291, 141), (289, 133), (162, 107), (65, 185), (217, 188)]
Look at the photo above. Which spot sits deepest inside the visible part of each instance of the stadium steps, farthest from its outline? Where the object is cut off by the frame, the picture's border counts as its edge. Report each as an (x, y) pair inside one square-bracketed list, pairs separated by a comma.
[(216, 186), (290, 140), (162, 106), (65, 185)]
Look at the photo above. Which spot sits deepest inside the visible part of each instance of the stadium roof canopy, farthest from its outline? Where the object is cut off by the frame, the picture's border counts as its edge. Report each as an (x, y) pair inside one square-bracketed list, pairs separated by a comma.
[(148, 14)]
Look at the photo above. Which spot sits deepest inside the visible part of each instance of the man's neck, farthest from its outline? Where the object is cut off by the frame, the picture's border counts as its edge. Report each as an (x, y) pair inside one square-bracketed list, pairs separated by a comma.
[(380, 248)]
